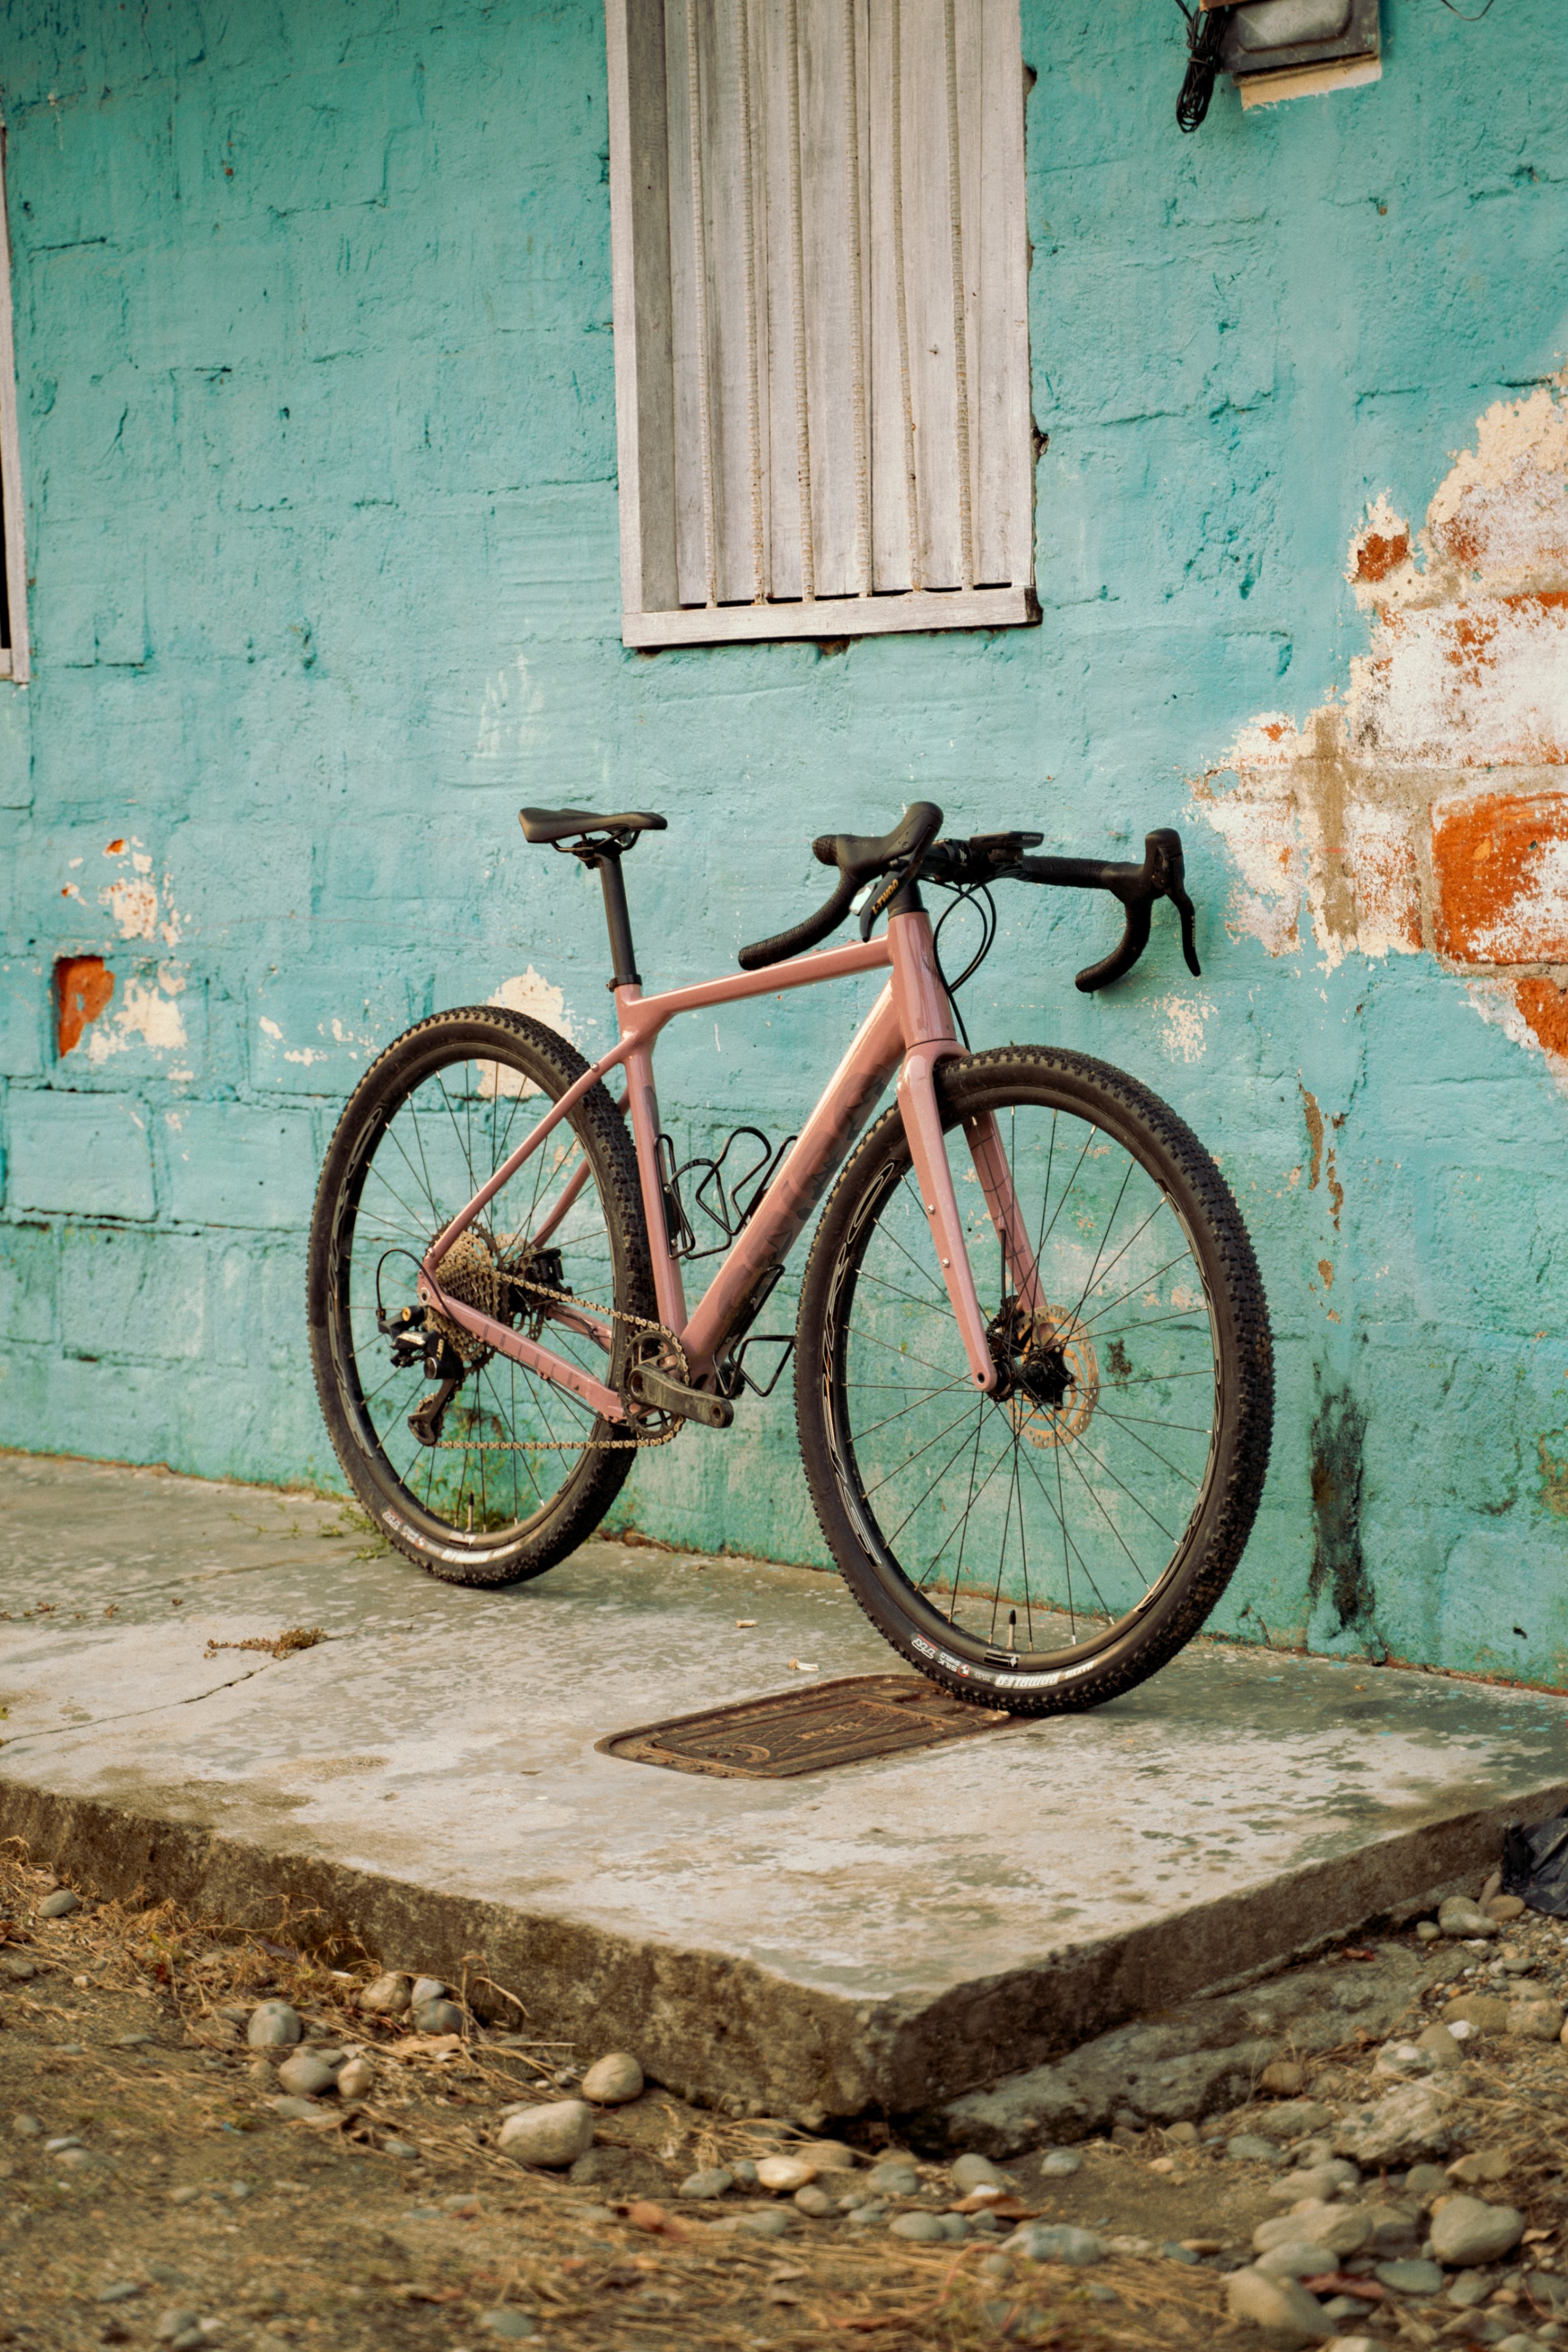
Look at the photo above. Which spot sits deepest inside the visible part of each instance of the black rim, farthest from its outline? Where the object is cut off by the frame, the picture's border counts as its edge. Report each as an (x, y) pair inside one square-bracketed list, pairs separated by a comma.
[(1027, 1532), (511, 1444)]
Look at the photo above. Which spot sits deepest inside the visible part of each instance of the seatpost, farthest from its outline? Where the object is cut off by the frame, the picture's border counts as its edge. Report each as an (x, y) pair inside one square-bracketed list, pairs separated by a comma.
[(623, 957)]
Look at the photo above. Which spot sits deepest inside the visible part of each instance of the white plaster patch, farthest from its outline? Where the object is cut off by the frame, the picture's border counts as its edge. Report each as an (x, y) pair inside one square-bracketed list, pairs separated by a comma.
[(270, 1028), (531, 993), (1185, 1019), (144, 1012), (134, 907)]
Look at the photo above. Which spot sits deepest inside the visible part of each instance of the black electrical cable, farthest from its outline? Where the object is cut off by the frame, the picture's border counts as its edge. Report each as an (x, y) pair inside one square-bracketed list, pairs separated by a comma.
[(1206, 28), (976, 895), (1463, 18)]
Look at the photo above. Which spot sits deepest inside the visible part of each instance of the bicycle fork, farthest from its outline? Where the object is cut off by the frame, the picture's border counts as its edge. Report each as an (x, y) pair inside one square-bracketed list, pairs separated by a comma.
[(922, 1002)]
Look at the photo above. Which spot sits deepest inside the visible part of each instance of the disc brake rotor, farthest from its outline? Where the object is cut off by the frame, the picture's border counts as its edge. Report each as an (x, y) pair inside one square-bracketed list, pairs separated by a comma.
[(1054, 1377)]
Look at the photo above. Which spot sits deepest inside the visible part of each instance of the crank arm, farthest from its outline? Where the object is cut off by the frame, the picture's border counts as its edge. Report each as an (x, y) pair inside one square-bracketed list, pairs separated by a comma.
[(655, 1388)]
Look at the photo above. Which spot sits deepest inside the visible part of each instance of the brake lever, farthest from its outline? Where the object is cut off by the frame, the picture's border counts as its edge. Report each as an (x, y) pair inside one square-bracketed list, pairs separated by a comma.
[(1183, 906), (1168, 875)]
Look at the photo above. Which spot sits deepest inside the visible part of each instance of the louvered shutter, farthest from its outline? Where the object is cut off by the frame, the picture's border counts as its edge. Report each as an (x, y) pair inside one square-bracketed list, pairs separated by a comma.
[(822, 363)]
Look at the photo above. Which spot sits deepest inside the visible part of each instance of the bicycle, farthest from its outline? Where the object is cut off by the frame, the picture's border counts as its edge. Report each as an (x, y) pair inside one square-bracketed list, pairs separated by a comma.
[(1034, 1375)]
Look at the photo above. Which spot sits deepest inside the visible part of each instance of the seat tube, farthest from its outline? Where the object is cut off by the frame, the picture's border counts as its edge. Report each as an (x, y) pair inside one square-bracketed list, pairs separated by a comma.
[(642, 1103), (928, 1037)]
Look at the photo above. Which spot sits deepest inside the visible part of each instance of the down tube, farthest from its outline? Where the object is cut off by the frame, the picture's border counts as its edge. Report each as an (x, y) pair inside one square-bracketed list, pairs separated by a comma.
[(847, 1102)]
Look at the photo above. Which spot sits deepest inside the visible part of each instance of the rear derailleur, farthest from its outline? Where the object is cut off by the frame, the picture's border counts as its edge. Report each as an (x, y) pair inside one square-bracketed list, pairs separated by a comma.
[(414, 1342)]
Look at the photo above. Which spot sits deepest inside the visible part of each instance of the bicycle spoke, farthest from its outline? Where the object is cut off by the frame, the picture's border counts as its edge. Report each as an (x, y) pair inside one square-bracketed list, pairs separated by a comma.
[(996, 1537)]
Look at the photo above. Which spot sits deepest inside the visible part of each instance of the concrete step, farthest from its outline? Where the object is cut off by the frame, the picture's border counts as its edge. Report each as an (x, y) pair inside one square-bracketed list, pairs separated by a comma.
[(425, 1780)]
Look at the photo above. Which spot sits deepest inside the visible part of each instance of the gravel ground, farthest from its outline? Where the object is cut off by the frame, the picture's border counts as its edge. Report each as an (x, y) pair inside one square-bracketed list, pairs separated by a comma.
[(150, 2191)]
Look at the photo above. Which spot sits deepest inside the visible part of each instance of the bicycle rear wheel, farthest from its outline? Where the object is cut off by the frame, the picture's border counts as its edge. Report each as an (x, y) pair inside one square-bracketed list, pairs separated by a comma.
[(1047, 1548), (470, 1465)]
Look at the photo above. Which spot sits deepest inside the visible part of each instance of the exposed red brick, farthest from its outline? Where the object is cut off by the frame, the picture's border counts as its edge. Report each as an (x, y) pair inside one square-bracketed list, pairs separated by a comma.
[(1545, 1010), (1495, 865), (83, 986), (1377, 556)]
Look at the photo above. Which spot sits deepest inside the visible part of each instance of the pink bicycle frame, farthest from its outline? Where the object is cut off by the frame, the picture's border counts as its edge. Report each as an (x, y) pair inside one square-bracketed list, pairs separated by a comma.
[(910, 1024)]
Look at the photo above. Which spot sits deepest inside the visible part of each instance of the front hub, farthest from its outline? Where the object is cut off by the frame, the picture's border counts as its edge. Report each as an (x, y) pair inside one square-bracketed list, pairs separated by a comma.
[(1048, 1374)]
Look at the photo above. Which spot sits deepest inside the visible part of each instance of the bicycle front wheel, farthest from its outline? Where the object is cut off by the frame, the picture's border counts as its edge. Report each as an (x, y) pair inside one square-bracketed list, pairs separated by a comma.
[(1045, 1547), (470, 1465)]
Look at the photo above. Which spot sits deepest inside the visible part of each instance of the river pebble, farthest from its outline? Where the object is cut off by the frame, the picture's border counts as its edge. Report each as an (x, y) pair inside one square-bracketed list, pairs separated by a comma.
[(356, 2078), (1465, 2231), (786, 2173), (1461, 1917), (59, 1905), (553, 2136), (1339, 2229), (274, 2026), (976, 2172), (426, 1988), (388, 1995), (711, 2183), (1298, 2261), (1286, 2311), (306, 2076), (437, 2017), (612, 2080), (507, 2321), (1409, 2277), (1248, 2147), (814, 2201), (894, 2179), (1040, 2242), (1060, 2164), (1320, 2182), (922, 2229), (773, 2225)]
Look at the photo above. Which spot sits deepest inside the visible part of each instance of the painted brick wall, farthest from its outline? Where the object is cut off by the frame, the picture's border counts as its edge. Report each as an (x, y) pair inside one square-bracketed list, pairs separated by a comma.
[(316, 387)]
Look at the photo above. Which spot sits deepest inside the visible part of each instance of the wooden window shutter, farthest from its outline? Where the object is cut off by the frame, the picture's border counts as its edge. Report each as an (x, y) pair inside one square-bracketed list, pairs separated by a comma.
[(822, 358)]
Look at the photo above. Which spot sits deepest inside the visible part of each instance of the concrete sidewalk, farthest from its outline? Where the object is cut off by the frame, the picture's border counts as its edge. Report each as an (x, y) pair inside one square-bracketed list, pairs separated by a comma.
[(889, 1934)]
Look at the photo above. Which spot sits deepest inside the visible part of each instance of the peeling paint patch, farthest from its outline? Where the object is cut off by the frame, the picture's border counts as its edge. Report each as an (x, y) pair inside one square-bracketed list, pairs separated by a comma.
[(134, 907), (83, 987), (531, 993), (1552, 1486), (1185, 1019), (1364, 818), (147, 1012)]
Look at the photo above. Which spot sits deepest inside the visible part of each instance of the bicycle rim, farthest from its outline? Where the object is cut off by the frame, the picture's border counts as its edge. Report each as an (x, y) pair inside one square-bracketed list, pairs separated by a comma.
[(510, 1446), (1025, 1538)]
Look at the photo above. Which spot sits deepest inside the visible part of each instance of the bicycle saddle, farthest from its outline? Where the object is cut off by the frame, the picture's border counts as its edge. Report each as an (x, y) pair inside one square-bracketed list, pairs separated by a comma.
[(562, 824)]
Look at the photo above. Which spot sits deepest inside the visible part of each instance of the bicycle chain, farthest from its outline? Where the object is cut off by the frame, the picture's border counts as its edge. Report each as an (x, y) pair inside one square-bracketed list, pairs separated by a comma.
[(581, 1444)]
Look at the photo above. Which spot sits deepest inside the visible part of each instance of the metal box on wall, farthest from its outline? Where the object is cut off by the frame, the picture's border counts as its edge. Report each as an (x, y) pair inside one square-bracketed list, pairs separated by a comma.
[(1267, 37)]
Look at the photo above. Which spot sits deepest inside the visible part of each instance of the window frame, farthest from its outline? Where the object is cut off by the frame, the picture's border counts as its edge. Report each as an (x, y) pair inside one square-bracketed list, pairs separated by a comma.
[(643, 301), (15, 662)]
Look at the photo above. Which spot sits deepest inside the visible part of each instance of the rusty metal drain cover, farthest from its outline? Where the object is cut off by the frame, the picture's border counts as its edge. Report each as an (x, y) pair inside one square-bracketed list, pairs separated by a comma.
[(813, 1729)]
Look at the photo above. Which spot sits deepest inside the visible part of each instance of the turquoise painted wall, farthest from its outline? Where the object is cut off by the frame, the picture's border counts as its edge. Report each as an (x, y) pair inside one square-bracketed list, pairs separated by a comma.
[(316, 387)]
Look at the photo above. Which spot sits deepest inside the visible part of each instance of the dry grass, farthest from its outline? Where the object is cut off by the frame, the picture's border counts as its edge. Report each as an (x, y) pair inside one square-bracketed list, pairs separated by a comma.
[(335, 2248)]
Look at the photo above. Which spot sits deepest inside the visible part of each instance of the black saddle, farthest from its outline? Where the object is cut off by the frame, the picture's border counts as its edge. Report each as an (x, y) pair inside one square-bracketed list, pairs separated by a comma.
[(569, 824)]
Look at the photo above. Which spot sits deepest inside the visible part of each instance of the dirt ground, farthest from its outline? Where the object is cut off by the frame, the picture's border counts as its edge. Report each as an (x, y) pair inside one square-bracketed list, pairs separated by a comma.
[(181, 2200)]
